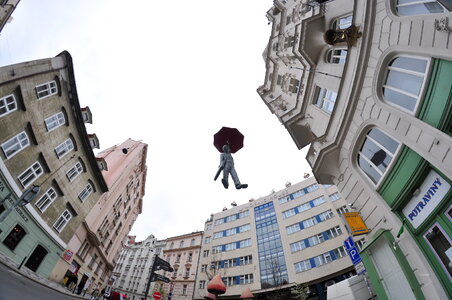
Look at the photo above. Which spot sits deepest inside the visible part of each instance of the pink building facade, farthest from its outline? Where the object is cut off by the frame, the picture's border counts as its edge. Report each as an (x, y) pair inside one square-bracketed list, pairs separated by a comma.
[(98, 241)]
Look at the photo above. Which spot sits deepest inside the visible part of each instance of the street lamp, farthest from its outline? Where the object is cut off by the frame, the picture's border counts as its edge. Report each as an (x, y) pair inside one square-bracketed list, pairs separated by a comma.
[(26, 198)]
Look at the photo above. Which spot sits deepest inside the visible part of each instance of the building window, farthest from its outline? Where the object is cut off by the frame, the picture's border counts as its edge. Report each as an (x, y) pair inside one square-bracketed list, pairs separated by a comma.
[(30, 174), (404, 82), (62, 220), (325, 99), (294, 85), (184, 289), (55, 121), (342, 22), (205, 253), (337, 55), (85, 192), (192, 243), (8, 104), (46, 200), (422, 7), (207, 240), (202, 284), (15, 144), (181, 244), (440, 244), (376, 154), (84, 249), (203, 268), (64, 148), (46, 89), (335, 196), (74, 171), (14, 237)]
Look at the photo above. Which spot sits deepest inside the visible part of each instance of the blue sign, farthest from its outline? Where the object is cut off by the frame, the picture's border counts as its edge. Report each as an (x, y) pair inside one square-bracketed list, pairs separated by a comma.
[(352, 250)]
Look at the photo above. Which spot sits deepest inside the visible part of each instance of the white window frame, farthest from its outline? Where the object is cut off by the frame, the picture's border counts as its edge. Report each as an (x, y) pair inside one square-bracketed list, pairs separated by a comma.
[(62, 221), (417, 97), (30, 174), (331, 56), (415, 2), (368, 160), (74, 172), (84, 194), (323, 97), (341, 23), (55, 121), (48, 198), (64, 148), (15, 144), (8, 104), (46, 89)]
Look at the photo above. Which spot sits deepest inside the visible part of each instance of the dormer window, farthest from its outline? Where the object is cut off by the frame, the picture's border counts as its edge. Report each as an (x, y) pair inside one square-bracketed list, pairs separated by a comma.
[(93, 141), (87, 116), (102, 164)]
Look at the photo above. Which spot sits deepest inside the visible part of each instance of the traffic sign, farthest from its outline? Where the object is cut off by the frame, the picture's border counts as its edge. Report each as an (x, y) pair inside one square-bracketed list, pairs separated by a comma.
[(160, 278), (157, 295), (352, 250)]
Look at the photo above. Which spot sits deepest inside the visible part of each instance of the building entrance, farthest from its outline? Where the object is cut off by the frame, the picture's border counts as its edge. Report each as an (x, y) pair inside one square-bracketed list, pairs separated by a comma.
[(36, 258)]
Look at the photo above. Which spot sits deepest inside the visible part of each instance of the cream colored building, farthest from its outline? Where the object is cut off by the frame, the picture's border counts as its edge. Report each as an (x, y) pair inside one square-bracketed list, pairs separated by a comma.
[(182, 252), (295, 235), (367, 85), (134, 265)]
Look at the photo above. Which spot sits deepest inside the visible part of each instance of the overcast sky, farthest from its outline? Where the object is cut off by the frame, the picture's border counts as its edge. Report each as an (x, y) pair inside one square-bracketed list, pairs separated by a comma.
[(171, 74)]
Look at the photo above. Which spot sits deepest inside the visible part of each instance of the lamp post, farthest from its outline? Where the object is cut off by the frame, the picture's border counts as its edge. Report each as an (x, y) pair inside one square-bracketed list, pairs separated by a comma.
[(26, 198)]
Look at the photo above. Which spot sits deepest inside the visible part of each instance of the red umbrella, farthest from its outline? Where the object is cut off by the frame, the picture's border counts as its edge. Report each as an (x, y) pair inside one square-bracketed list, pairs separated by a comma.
[(230, 136)]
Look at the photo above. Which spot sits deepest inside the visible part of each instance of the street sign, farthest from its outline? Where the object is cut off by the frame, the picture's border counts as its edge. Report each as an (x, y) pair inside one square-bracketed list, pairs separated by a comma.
[(161, 264), (157, 295), (160, 277), (354, 255), (352, 250)]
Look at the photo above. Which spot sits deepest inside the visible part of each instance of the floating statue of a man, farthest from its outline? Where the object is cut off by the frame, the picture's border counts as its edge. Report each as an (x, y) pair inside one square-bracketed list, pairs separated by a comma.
[(227, 165)]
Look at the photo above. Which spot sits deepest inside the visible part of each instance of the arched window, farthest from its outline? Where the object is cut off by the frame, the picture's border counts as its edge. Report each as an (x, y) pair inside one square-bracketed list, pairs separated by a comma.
[(376, 154), (337, 55), (404, 81), (422, 7), (342, 22)]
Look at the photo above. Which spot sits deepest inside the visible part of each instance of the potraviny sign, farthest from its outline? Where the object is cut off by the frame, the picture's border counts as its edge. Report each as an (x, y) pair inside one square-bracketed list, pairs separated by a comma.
[(431, 192)]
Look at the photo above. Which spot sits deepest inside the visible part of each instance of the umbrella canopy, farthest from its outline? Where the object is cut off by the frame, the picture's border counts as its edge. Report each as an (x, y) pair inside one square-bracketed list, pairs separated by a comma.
[(210, 296), (228, 136), (216, 286), (247, 294)]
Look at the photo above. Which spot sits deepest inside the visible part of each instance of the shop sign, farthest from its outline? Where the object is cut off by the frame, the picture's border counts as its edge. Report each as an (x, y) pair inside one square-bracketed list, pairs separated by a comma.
[(355, 223), (428, 196), (67, 255)]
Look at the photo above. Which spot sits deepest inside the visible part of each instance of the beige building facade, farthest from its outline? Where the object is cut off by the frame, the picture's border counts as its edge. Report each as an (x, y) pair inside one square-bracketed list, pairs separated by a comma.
[(44, 143), (292, 236), (182, 253), (367, 85)]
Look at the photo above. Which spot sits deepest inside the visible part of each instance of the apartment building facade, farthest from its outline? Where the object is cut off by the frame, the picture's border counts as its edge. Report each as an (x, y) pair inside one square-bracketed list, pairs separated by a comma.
[(292, 236), (44, 143), (182, 252), (131, 274), (367, 85), (98, 241)]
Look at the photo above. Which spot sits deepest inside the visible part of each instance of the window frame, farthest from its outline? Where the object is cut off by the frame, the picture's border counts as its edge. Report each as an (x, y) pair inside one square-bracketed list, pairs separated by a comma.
[(330, 56), (64, 148), (85, 193), (18, 143), (74, 171), (46, 199), (50, 89), (422, 89), (368, 160), (396, 6), (34, 171), (319, 100), (55, 121), (335, 23), (62, 218), (6, 106)]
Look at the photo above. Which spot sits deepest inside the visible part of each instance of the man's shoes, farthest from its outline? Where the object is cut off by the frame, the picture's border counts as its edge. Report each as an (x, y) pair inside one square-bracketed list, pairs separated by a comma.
[(241, 186), (225, 183)]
